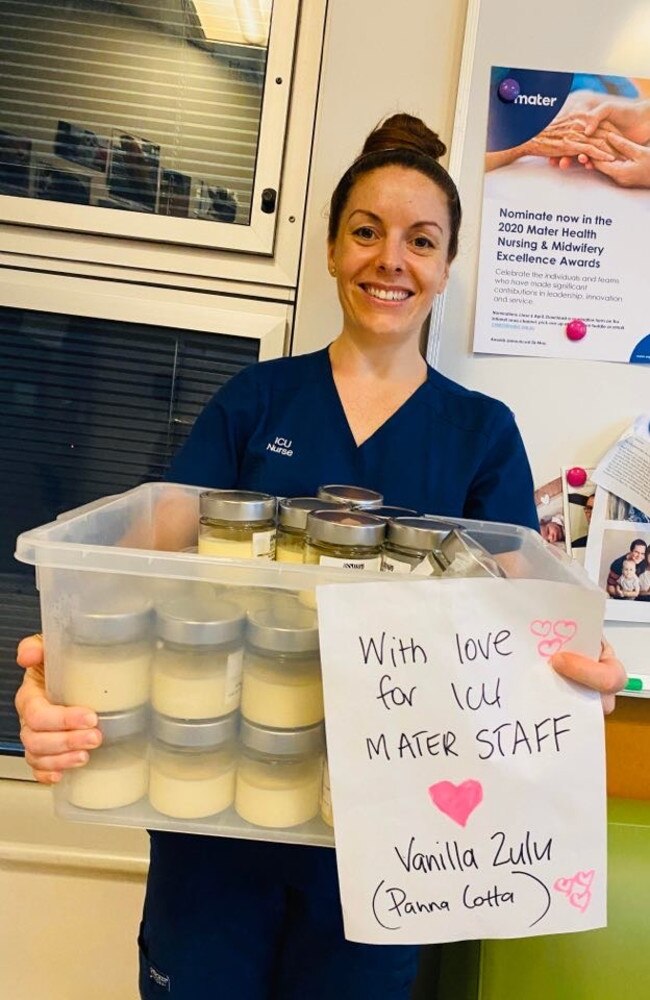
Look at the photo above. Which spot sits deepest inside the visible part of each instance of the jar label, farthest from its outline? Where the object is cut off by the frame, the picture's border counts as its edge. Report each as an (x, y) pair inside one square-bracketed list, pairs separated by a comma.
[(264, 544), (234, 668), (374, 563), (390, 565)]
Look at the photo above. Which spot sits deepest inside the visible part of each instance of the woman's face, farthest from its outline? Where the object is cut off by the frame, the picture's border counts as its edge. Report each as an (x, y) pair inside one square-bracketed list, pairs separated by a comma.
[(390, 253)]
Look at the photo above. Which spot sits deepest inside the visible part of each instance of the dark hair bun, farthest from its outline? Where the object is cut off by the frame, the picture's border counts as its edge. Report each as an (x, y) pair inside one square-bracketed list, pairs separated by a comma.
[(402, 131)]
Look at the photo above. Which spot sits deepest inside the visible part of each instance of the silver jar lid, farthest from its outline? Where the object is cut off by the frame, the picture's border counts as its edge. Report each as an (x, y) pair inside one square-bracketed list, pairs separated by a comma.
[(112, 622), (189, 622), (237, 505), (293, 513), (390, 513), (357, 496), (415, 533), (353, 527), (282, 742), (287, 628), (122, 725), (194, 734)]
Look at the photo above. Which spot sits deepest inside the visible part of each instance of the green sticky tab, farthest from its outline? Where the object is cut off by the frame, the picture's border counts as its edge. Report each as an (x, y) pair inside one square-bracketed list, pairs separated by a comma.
[(634, 684)]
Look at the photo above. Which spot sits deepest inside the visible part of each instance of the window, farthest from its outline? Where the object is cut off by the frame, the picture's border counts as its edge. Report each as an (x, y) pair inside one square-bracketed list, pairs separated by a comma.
[(154, 119), (90, 407)]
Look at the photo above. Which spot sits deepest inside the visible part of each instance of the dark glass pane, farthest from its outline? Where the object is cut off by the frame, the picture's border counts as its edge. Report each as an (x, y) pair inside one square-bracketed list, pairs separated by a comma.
[(90, 407)]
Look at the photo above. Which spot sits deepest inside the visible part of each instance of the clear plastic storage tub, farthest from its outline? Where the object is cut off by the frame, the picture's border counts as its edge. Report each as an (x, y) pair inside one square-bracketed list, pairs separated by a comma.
[(135, 622)]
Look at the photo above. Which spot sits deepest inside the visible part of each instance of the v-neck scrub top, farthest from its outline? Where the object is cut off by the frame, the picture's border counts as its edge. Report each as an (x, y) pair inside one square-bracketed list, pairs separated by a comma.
[(279, 427), (256, 920)]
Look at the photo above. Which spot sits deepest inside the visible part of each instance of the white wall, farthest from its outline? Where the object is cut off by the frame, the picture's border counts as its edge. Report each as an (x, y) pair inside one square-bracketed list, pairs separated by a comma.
[(380, 57)]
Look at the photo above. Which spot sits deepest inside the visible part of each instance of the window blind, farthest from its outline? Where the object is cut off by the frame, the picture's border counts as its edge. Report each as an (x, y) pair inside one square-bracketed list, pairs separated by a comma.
[(90, 407), (130, 105)]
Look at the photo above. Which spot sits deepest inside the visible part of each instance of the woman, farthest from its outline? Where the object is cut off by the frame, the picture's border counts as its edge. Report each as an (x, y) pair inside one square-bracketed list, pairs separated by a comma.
[(257, 920)]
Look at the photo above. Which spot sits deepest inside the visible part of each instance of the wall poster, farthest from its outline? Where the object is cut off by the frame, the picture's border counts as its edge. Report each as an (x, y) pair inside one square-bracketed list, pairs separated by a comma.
[(563, 268)]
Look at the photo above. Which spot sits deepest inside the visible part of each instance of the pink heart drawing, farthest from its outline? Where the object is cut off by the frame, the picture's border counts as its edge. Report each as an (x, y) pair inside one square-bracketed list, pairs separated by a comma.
[(565, 629), (554, 634), (580, 900), (456, 801), (549, 646), (577, 888)]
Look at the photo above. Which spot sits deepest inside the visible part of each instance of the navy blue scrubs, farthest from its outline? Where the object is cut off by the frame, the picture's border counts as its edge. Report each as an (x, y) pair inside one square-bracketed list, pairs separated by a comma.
[(244, 920)]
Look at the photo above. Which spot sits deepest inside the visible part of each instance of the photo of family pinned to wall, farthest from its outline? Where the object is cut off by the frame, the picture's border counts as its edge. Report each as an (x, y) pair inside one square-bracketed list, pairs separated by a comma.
[(550, 511), (578, 506), (618, 560)]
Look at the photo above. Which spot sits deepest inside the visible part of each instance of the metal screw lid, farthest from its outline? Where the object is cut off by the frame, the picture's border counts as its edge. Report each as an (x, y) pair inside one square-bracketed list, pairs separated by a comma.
[(189, 622), (122, 725), (415, 533), (111, 622), (282, 742), (237, 505), (199, 734), (358, 496), (292, 513), (352, 527), (390, 513), (285, 627)]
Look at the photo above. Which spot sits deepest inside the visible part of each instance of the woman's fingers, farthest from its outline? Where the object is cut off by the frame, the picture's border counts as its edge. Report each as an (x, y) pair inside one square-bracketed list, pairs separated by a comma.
[(606, 675), (30, 652)]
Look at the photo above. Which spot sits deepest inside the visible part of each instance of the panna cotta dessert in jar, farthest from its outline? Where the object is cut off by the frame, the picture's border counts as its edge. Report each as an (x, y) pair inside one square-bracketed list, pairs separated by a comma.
[(116, 774), (292, 525), (193, 765), (106, 654), (197, 667), (282, 684), (237, 524), (279, 775)]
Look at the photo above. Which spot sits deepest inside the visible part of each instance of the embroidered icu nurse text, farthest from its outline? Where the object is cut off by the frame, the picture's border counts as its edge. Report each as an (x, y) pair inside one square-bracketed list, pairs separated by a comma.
[(281, 445)]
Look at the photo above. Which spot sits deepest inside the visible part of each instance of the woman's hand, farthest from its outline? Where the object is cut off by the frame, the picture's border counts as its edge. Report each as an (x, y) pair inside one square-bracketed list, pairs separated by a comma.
[(607, 674), (55, 738)]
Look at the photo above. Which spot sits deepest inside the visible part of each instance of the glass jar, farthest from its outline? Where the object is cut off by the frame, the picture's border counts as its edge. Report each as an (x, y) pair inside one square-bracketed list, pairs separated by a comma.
[(282, 685), (106, 659), (193, 766), (237, 524), (197, 667), (326, 797), (413, 546), (116, 774), (348, 539), (292, 524), (279, 775), (354, 496)]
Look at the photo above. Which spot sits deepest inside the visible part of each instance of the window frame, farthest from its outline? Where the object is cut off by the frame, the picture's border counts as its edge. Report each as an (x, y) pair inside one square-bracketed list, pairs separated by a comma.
[(258, 237)]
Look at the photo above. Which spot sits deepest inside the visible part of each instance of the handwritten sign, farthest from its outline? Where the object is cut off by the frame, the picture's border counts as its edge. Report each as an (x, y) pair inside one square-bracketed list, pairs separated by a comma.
[(468, 778)]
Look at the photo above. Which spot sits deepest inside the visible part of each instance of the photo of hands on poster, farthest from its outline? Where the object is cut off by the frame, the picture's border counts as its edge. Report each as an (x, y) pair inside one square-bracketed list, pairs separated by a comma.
[(567, 184)]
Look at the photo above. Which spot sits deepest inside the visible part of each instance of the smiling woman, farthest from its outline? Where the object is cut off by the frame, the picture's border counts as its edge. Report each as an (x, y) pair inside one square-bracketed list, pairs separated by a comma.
[(367, 411)]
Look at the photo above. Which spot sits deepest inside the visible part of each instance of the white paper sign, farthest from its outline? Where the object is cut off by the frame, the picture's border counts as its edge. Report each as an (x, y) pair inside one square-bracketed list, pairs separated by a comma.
[(468, 779)]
